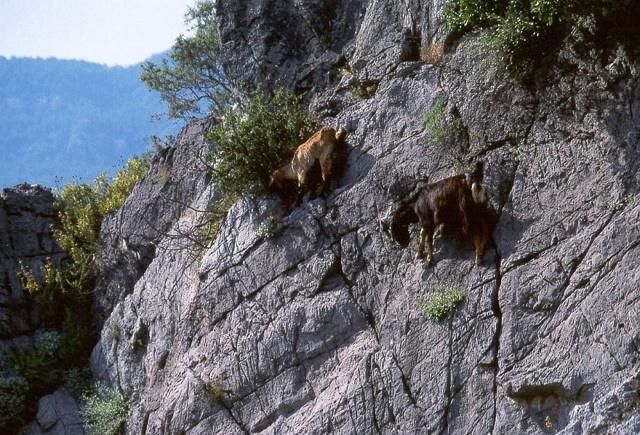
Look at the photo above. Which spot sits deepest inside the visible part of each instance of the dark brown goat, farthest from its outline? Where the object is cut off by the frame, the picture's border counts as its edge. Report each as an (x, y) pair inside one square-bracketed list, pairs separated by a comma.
[(458, 202)]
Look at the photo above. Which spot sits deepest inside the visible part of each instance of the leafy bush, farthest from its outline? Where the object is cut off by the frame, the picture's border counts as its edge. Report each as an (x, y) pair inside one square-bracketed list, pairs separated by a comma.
[(119, 188), (520, 29), (38, 365), (105, 411), (28, 280), (13, 399), (82, 208), (436, 306), (250, 145)]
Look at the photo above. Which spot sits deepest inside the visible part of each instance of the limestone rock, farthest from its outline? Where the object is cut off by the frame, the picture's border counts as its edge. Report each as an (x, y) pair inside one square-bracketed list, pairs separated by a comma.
[(320, 329), (129, 237), (58, 414), (26, 217)]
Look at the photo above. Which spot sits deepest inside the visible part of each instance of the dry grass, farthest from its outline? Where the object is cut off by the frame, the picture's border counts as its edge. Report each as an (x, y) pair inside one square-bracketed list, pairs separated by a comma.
[(432, 53), (215, 392)]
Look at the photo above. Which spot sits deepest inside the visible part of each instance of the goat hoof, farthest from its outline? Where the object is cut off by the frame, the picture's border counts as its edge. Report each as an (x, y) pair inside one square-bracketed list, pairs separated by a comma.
[(419, 256)]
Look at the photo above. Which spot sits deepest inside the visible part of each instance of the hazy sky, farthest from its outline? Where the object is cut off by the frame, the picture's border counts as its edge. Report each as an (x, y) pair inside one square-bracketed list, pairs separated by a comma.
[(115, 32)]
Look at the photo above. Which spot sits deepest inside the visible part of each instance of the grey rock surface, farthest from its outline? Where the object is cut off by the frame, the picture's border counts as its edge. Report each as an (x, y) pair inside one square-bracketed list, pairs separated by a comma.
[(26, 217), (129, 237), (58, 414), (320, 329)]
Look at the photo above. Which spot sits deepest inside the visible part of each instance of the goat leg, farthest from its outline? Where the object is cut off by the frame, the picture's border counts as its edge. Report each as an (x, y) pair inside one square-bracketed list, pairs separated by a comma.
[(423, 234), (479, 243)]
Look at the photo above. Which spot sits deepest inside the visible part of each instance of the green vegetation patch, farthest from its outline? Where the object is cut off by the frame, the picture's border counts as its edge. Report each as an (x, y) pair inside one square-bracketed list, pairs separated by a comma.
[(62, 291), (269, 228), (250, 143), (38, 365), (520, 30), (13, 399), (105, 411), (191, 79), (77, 381), (438, 305), (442, 130)]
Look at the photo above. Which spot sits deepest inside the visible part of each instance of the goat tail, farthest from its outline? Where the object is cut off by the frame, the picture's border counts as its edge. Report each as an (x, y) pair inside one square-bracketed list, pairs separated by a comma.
[(400, 221)]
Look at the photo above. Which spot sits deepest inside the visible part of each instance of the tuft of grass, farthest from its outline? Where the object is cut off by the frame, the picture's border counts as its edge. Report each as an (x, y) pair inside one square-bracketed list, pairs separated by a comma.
[(442, 131), (438, 305), (616, 205), (364, 90)]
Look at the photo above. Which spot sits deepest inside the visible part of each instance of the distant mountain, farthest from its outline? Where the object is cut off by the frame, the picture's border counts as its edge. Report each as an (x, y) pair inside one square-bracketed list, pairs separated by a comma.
[(63, 119)]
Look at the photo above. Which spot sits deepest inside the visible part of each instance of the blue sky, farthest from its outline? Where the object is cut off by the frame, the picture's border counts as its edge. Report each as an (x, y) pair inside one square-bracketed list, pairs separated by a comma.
[(113, 32)]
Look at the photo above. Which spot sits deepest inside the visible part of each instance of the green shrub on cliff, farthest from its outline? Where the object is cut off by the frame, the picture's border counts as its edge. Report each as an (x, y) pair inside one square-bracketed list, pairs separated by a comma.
[(81, 208), (250, 143), (62, 292), (520, 30), (443, 130), (37, 365), (104, 411)]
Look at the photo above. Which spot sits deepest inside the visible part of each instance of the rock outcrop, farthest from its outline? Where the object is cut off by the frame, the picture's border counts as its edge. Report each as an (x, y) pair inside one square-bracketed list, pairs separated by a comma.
[(319, 329), (26, 217), (58, 414), (129, 237)]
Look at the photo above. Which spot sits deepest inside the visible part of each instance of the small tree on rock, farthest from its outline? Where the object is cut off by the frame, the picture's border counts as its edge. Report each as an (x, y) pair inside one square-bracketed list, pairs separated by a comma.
[(191, 78)]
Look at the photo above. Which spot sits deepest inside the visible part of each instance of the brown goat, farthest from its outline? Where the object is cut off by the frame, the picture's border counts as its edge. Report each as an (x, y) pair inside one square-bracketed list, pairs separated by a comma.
[(458, 202), (318, 147)]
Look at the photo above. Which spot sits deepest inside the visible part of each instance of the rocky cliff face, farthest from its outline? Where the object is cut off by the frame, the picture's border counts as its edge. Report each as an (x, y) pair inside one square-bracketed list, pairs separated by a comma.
[(129, 238), (26, 217), (319, 329)]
